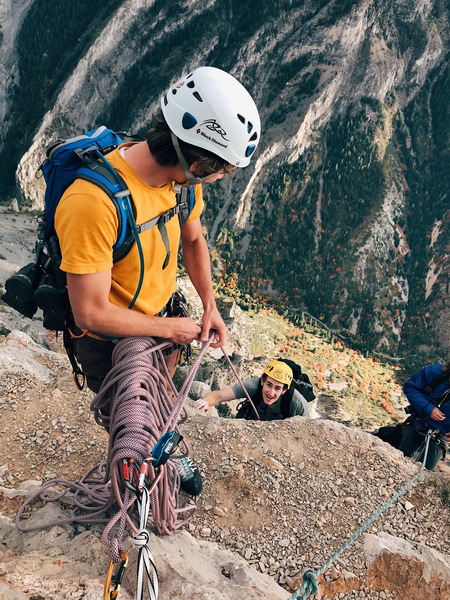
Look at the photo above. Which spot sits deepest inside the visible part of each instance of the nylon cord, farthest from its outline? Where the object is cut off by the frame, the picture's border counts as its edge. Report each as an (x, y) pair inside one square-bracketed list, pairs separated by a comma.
[(136, 393)]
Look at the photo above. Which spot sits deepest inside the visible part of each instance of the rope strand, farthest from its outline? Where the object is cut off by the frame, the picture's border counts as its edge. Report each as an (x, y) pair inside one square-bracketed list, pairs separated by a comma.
[(310, 583), (135, 406)]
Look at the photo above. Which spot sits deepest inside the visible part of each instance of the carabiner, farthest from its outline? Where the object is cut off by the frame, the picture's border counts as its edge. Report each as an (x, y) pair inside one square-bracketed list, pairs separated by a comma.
[(116, 581), (80, 380)]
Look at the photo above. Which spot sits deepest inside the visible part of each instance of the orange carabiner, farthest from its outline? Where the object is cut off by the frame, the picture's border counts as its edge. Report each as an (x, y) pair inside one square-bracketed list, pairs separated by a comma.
[(116, 581)]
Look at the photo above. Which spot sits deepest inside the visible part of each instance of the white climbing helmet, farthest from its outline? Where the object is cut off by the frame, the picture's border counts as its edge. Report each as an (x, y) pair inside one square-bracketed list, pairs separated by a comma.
[(210, 109)]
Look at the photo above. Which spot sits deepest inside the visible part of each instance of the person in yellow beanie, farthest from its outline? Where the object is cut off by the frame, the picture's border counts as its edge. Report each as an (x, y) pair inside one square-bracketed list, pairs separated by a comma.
[(270, 394)]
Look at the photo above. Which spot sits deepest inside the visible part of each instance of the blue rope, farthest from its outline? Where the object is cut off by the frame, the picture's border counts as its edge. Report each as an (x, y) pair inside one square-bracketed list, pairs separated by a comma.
[(310, 584)]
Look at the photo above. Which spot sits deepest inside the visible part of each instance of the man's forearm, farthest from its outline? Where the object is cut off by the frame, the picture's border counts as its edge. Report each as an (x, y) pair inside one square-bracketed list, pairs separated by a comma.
[(218, 396)]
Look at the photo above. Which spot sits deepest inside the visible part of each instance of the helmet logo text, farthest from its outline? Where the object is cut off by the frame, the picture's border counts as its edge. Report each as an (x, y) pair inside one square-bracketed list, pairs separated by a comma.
[(213, 125)]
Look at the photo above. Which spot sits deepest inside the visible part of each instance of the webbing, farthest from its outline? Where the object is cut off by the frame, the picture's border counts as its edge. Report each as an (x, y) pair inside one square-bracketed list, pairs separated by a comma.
[(310, 584)]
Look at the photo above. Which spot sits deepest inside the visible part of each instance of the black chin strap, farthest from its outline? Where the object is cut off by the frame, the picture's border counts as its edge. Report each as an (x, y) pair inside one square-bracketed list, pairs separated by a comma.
[(190, 177)]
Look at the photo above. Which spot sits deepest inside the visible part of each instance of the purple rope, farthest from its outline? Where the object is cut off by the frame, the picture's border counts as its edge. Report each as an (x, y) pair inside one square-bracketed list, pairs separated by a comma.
[(142, 410)]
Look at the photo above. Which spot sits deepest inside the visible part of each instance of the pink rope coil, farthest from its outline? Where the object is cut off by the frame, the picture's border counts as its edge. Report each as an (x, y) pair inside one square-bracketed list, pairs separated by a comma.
[(135, 393), (141, 412)]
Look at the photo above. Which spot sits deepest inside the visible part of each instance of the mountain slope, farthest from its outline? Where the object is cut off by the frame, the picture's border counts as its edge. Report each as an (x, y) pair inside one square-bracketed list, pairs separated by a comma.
[(344, 213), (283, 495)]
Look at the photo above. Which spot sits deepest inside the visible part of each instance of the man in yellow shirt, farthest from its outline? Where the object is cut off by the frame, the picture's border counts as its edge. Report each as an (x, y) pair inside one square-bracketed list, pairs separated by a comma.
[(207, 126)]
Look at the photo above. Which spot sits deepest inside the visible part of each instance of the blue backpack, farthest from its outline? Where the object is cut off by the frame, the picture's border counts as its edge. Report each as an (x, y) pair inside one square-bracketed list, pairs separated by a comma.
[(42, 283)]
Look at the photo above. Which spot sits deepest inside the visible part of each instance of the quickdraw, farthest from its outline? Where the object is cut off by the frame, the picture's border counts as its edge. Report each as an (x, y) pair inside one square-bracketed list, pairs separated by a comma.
[(136, 482)]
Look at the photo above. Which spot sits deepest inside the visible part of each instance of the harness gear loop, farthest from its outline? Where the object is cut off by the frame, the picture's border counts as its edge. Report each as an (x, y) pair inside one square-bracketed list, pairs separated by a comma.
[(116, 581), (68, 336)]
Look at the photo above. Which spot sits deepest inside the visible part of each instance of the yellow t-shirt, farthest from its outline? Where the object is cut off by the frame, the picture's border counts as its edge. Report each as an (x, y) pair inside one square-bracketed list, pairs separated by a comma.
[(86, 224)]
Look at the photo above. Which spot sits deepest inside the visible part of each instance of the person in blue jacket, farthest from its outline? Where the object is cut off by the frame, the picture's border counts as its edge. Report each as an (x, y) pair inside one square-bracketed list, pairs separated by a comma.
[(428, 392)]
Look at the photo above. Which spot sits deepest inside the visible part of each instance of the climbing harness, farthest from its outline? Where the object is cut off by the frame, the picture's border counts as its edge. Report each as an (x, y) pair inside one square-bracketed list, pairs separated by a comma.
[(136, 407), (310, 584)]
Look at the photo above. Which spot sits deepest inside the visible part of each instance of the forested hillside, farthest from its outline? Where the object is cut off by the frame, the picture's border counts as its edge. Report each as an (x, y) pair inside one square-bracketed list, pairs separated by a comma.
[(344, 213)]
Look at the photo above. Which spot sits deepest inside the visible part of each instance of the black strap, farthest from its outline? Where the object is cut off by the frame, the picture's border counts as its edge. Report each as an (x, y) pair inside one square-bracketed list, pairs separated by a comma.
[(435, 383), (78, 375)]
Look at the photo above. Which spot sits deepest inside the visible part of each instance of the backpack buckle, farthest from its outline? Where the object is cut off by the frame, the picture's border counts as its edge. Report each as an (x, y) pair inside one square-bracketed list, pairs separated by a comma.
[(165, 218)]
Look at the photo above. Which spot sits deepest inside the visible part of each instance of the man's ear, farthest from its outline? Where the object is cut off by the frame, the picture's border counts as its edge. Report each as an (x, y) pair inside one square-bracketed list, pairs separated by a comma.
[(194, 166)]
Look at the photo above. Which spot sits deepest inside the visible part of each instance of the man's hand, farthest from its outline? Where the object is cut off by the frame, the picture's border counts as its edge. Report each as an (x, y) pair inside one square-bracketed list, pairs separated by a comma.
[(183, 330), (437, 415), (212, 398), (212, 321)]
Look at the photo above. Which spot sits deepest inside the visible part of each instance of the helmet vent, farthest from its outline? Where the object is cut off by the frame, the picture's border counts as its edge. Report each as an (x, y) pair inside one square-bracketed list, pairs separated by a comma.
[(249, 151), (165, 100), (241, 119), (188, 121), (197, 95), (249, 127), (191, 84), (254, 137)]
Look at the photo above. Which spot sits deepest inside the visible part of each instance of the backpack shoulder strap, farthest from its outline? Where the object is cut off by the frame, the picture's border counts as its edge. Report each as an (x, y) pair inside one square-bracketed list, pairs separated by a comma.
[(285, 405), (113, 185), (185, 202)]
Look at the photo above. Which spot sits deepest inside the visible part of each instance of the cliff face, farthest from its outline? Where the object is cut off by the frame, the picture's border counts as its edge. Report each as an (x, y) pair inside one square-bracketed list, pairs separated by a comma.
[(345, 212)]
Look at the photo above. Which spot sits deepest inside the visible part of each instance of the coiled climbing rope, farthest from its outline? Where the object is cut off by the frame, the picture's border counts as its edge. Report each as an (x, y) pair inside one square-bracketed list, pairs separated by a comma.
[(141, 412), (137, 404)]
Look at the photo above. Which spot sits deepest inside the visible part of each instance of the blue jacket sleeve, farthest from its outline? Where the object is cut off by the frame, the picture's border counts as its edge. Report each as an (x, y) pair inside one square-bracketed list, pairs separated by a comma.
[(413, 389)]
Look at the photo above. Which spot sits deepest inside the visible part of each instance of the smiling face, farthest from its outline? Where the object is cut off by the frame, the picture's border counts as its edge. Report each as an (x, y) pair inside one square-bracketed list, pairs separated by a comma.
[(271, 390)]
